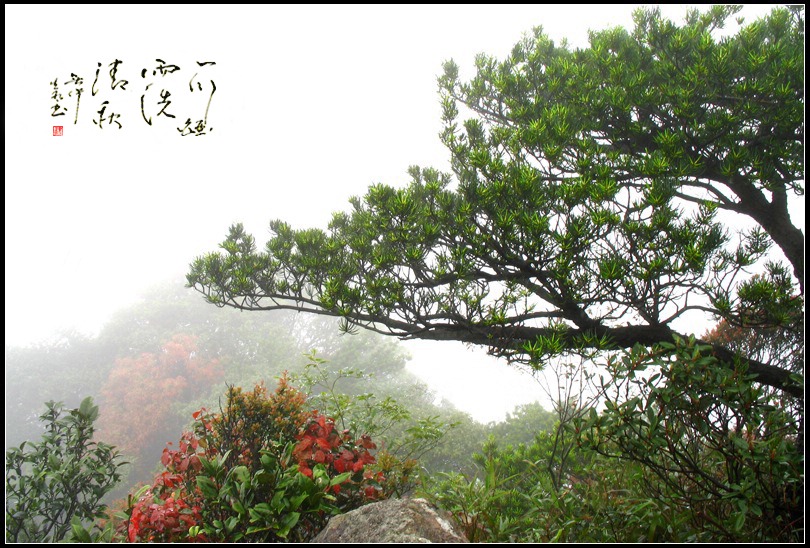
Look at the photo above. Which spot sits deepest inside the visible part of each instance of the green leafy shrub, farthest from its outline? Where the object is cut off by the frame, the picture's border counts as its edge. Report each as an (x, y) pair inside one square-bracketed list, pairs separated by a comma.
[(684, 451), (499, 503), (725, 451), (517, 496), (56, 485)]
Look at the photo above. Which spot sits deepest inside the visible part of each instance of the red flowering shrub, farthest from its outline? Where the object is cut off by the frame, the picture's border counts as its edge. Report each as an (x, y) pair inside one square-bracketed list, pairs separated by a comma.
[(265, 469)]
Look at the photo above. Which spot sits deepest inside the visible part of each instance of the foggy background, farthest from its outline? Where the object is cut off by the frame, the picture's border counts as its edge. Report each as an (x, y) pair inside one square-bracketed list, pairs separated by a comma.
[(312, 105)]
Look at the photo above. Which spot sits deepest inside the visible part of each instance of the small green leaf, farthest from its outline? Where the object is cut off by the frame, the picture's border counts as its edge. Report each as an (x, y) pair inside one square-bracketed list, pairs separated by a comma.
[(80, 534), (208, 487)]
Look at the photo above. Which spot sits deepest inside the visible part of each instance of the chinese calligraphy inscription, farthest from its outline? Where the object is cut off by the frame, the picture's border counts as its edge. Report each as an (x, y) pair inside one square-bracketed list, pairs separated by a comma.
[(164, 98)]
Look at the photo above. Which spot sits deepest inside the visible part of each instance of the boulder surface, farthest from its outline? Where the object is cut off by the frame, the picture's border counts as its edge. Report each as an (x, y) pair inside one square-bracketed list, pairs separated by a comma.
[(393, 520)]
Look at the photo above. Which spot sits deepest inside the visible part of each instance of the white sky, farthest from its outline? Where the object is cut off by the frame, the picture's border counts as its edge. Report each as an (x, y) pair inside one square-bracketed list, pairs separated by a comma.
[(312, 105)]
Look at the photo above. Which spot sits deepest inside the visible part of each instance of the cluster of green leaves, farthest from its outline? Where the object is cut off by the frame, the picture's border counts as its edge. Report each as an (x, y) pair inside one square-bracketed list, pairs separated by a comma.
[(723, 450), (294, 510), (683, 451), (756, 334), (494, 505), (54, 487), (523, 424)]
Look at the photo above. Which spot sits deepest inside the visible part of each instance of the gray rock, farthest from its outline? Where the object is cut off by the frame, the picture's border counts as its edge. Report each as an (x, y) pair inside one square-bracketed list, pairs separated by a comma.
[(394, 520)]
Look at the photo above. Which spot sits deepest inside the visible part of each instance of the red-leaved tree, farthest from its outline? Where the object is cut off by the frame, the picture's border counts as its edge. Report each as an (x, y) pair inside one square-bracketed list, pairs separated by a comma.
[(138, 396)]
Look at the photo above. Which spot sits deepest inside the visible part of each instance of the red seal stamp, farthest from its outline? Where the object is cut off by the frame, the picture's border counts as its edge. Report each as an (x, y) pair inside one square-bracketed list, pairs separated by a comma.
[(57, 131)]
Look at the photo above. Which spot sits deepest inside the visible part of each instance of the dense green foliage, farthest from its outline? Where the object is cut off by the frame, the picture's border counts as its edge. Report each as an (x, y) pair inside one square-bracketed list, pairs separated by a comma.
[(596, 201), (726, 454), (684, 451), (58, 483), (515, 499)]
